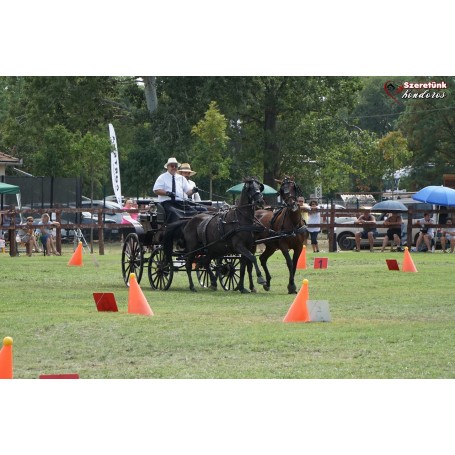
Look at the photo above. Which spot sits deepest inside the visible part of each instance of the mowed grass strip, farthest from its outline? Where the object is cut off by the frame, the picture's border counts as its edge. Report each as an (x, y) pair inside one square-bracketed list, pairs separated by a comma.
[(384, 324)]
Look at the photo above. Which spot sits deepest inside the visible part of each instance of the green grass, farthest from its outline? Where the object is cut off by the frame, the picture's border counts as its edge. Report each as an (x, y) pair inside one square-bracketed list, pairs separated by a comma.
[(384, 324)]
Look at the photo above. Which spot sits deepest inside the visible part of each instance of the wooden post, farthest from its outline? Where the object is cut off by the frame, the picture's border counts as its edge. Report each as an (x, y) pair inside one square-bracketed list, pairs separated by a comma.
[(12, 234), (331, 229), (58, 240), (410, 240), (100, 232)]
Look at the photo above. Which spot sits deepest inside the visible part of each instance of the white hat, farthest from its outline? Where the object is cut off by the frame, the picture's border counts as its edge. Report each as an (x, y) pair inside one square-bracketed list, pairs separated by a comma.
[(171, 161), (185, 167)]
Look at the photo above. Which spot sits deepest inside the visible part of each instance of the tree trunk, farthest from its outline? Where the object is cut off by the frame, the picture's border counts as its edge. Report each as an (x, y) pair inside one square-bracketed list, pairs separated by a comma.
[(150, 93), (271, 149)]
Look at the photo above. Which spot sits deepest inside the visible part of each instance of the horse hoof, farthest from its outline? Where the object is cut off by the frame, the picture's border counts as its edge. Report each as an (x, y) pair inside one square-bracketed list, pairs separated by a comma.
[(253, 290), (213, 288), (193, 290), (261, 280), (292, 289), (266, 288), (244, 291)]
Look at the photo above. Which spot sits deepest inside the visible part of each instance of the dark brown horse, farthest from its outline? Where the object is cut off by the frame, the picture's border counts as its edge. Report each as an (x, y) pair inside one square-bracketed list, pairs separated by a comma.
[(213, 236), (284, 230)]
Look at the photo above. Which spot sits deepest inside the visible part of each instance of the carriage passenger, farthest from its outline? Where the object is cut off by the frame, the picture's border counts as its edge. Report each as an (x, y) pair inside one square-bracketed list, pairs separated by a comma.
[(185, 170), (173, 192)]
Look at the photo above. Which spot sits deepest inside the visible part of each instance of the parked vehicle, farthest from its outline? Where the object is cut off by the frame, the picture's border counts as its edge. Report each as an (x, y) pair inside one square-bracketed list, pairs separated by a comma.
[(325, 215), (109, 205), (85, 218)]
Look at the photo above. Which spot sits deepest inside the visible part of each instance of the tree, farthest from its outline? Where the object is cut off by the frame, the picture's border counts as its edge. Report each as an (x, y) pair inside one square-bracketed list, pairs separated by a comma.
[(429, 127), (393, 148), (375, 111), (210, 146), (278, 119), (56, 155), (93, 162), (150, 93)]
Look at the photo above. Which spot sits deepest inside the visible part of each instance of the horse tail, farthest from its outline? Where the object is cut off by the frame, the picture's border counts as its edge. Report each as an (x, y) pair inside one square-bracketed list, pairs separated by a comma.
[(173, 233)]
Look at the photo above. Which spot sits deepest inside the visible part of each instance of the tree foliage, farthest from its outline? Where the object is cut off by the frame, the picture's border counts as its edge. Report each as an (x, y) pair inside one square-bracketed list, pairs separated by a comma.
[(210, 145), (343, 133), (429, 126)]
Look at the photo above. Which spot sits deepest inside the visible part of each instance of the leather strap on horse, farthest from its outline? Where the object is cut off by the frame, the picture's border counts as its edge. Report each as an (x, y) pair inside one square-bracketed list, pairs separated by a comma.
[(301, 229), (202, 230)]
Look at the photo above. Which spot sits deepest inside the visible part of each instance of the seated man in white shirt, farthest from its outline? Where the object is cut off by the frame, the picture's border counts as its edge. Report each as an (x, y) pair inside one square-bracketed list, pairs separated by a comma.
[(173, 192), (448, 234), (426, 232)]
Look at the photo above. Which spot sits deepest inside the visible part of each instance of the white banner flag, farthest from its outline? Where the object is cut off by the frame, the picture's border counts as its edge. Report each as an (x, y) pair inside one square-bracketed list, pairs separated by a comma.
[(115, 166)]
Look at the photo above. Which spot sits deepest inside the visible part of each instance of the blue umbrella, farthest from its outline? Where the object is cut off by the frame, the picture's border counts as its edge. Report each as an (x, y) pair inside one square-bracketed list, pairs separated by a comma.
[(391, 206), (440, 195)]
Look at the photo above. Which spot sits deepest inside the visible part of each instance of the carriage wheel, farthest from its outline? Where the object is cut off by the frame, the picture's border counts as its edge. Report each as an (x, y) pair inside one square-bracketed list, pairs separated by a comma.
[(160, 271), (202, 274), (132, 258), (229, 273)]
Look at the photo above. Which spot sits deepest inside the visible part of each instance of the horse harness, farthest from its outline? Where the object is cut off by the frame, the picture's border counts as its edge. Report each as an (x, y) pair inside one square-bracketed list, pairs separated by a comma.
[(222, 223), (282, 233)]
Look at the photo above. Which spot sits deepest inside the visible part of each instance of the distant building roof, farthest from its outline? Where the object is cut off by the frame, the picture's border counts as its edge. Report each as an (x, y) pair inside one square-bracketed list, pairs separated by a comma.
[(9, 160)]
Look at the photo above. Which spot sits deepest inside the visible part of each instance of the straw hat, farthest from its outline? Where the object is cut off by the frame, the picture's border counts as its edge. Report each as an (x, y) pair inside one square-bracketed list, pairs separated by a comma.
[(171, 161), (185, 167)]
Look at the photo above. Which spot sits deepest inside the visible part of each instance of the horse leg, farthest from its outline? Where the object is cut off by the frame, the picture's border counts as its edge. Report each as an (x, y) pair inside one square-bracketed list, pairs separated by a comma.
[(189, 268), (295, 258), (244, 251), (213, 282), (290, 263), (243, 266), (249, 268), (246, 264), (264, 257)]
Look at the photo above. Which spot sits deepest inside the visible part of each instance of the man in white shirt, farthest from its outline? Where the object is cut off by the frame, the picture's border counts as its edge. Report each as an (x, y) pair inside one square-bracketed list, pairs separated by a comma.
[(448, 234), (173, 192), (426, 232)]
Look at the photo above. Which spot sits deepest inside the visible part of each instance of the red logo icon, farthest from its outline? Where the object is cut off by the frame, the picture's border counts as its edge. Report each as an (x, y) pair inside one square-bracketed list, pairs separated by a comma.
[(393, 90)]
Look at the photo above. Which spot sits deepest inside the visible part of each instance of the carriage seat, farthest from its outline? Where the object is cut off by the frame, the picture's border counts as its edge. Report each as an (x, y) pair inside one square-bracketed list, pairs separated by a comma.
[(175, 214), (160, 213)]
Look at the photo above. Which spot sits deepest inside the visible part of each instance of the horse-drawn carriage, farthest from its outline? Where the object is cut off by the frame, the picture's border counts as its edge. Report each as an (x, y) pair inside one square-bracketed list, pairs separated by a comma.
[(215, 245), (143, 250)]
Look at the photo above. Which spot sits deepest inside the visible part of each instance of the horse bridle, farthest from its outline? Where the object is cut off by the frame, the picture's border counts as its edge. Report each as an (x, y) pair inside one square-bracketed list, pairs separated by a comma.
[(256, 196), (289, 199)]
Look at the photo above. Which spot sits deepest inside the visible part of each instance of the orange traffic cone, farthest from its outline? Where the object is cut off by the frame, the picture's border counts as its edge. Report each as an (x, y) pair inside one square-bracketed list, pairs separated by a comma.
[(137, 303), (76, 258), (298, 311), (408, 263), (301, 263), (6, 359)]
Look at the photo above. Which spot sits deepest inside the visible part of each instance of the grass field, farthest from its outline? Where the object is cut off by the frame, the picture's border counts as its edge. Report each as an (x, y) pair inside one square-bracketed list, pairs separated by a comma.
[(384, 324)]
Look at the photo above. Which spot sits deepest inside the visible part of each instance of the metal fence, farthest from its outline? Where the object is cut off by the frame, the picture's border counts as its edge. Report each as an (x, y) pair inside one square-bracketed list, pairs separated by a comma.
[(44, 192)]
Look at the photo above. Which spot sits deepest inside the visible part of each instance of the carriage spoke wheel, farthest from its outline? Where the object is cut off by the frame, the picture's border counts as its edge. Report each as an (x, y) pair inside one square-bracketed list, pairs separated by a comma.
[(229, 273), (160, 271), (132, 258), (203, 276)]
